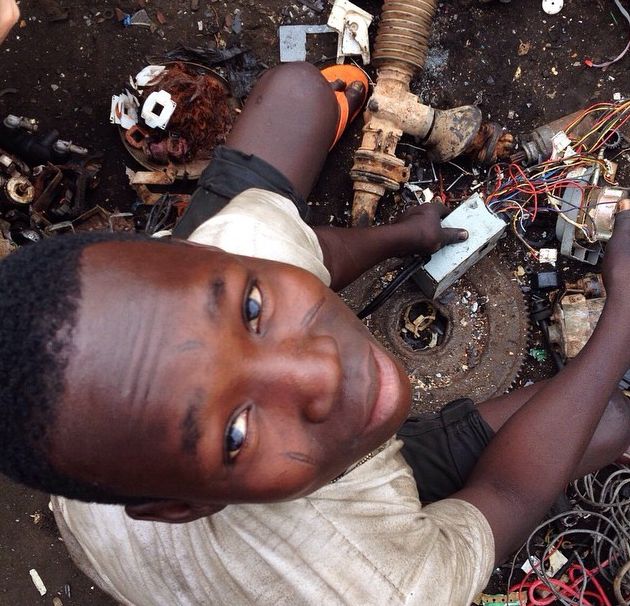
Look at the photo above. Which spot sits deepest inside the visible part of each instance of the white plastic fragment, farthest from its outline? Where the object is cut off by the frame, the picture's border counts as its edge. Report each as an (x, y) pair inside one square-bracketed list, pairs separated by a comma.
[(141, 18), (548, 255), (148, 75), (552, 7), (124, 110), (351, 23), (158, 109), (561, 146), (37, 581), (292, 40), (527, 565), (556, 562)]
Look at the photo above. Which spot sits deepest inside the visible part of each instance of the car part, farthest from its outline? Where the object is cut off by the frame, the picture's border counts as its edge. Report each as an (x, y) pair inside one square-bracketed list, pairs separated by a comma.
[(199, 122), (471, 341), (451, 262), (20, 190), (17, 137), (575, 317), (586, 221), (293, 40), (545, 280), (541, 313), (399, 52), (158, 109), (351, 23), (600, 211)]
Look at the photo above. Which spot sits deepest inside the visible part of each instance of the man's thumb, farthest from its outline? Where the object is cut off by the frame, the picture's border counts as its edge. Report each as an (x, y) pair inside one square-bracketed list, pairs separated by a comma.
[(452, 235)]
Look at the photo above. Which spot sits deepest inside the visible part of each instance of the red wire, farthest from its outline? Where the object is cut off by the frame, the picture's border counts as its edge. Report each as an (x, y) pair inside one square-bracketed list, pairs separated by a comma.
[(573, 589), (532, 187)]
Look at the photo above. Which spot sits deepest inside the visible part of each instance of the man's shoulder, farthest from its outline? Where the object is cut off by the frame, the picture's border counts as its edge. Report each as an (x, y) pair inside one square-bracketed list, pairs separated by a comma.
[(263, 224)]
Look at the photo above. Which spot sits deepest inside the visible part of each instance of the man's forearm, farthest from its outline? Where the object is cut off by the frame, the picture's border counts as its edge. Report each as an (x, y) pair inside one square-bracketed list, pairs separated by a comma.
[(348, 252), (536, 452)]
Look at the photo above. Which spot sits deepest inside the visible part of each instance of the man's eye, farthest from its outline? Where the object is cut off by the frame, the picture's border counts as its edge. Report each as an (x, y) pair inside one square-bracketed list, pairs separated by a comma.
[(252, 308), (236, 435)]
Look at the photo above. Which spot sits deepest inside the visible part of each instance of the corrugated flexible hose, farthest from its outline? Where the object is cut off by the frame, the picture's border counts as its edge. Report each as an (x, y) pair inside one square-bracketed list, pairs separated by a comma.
[(403, 34)]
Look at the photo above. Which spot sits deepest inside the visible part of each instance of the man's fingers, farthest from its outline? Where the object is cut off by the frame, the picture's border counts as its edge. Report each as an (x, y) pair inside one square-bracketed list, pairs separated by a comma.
[(452, 235), (623, 205), (439, 207)]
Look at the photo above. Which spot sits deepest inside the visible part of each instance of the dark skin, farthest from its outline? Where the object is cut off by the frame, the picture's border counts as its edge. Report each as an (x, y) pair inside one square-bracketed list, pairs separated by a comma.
[(200, 378), (558, 422)]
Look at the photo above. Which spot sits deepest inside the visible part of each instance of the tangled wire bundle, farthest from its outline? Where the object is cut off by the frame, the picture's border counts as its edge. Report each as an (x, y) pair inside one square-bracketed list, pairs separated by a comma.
[(203, 116), (599, 526)]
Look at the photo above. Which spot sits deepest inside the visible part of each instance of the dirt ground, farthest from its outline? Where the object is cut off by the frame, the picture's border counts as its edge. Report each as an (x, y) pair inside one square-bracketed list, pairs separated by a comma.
[(65, 73)]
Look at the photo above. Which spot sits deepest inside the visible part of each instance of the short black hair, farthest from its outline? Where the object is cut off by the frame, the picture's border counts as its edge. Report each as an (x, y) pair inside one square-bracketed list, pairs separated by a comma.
[(40, 293)]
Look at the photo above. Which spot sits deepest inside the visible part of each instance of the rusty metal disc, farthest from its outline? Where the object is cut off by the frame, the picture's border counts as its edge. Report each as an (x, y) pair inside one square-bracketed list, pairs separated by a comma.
[(472, 340), (186, 170)]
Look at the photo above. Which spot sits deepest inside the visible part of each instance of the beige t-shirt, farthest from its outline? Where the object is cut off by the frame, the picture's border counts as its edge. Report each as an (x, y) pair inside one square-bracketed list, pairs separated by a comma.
[(362, 540)]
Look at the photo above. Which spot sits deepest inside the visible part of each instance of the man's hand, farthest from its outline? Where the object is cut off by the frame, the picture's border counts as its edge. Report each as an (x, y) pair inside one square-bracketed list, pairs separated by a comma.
[(9, 14), (617, 259), (552, 430), (350, 252), (420, 231)]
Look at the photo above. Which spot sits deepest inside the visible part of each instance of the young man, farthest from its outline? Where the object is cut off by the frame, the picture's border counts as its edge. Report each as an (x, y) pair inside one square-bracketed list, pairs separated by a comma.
[(238, 396)]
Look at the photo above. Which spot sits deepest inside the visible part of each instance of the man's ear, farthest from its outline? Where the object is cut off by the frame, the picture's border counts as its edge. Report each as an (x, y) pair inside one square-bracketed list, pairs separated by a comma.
[(173, 512)]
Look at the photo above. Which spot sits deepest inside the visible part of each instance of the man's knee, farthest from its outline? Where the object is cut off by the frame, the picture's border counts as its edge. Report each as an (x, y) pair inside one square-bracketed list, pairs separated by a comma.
[(617, 416), (302, 82), (612, 436)]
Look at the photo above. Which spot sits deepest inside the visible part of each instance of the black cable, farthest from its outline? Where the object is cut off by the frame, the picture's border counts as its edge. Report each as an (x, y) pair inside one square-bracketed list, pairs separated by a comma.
[(392, 287)]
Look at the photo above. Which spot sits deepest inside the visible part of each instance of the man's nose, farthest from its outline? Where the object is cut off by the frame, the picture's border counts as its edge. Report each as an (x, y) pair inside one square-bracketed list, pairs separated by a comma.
[(305, 372)]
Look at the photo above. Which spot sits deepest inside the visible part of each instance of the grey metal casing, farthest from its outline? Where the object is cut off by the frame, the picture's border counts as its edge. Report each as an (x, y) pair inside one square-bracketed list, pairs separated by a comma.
[(450, 263)]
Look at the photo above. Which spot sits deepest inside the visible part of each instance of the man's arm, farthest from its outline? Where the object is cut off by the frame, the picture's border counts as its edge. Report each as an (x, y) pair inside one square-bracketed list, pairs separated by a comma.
[(9, 14), (535, 454), (350, 252)]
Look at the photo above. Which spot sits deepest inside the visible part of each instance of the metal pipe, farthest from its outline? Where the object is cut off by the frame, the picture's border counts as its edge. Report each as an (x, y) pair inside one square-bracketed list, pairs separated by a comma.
[(400, 51)]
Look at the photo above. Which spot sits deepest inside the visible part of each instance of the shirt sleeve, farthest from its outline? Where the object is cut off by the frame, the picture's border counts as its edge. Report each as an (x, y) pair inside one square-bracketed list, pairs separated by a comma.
[(264, 224), (462, 553)]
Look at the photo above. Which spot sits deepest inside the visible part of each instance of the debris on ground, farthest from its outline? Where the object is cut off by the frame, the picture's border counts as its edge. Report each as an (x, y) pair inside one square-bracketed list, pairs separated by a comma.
[(449, 345)]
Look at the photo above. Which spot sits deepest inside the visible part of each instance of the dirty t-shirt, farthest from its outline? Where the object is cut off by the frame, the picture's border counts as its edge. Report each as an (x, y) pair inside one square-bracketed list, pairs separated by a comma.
[(362, 540)]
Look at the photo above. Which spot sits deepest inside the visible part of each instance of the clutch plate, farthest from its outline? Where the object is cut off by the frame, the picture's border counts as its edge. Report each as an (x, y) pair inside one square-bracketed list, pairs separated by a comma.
[(470, 342)]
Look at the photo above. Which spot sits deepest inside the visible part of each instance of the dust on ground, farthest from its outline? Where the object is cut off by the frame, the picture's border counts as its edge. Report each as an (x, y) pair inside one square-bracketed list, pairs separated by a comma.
[(521, 66)]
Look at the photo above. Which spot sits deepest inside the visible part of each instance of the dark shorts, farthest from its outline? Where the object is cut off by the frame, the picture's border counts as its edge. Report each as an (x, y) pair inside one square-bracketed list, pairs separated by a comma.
[(442, 447), (230, 173)]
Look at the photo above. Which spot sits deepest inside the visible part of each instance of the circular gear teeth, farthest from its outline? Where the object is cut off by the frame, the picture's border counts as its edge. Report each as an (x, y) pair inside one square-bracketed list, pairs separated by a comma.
[(485, 325), (613, 141)]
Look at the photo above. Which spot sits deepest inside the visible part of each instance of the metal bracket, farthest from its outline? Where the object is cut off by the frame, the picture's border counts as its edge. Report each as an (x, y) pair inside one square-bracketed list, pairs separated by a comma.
[(293, 40), (352, 23)]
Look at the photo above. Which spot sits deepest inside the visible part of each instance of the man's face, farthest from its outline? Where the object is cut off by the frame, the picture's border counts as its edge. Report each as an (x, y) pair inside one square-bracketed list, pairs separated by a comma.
[(208, 377)]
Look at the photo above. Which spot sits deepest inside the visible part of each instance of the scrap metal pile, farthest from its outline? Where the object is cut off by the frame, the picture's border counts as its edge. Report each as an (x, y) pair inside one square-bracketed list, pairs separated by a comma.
[(45, 185), (175, 115), (579, 557), (558, 193)]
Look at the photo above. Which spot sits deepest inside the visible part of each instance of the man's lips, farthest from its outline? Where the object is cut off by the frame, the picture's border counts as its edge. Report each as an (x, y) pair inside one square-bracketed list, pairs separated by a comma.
[(385, 388)]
